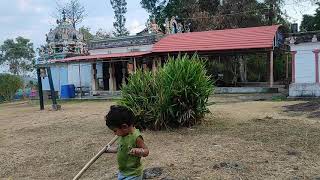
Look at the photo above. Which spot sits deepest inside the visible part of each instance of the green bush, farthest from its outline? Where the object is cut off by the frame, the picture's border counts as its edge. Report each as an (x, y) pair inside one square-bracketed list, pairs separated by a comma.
[(9, 84), (175, 96), (139, 95)]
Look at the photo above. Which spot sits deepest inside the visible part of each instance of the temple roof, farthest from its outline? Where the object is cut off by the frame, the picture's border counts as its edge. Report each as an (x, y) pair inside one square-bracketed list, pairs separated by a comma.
[(219, 40), (125, 41)]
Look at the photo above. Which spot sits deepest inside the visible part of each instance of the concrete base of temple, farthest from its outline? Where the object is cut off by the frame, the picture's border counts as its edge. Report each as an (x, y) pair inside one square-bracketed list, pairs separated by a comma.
[(304, 90), (244, 90)]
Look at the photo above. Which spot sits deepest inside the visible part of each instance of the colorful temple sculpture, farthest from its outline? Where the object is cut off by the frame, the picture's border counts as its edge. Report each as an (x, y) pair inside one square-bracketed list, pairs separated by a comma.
[(62, 42)]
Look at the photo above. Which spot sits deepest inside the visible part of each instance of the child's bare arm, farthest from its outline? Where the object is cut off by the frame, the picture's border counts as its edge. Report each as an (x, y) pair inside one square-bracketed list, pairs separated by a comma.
[(112, 149), (141, 150)]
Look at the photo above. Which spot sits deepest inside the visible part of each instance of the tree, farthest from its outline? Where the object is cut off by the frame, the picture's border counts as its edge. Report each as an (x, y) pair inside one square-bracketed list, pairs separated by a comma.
[(120, 9), (212, 14), (154, 7), (311, 23), (308, 23), (18, 54), (75, 12), (9, 84), (85, 31), (102, 34)]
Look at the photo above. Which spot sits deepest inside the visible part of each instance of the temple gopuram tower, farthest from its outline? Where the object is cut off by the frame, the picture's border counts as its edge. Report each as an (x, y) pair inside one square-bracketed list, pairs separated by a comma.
[(62, 42)]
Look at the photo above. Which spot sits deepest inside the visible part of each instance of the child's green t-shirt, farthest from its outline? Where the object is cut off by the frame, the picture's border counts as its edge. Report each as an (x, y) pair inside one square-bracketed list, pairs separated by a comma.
[(129, 165)]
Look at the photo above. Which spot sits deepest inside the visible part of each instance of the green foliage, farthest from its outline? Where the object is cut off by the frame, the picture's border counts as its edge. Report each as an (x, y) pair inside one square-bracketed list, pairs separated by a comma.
[(31, 84), (280, 67), (140, 95), (311, 23), (9, 84), (257, 68), (216, 14), (120, 9), (18, 54), (102, 34), (175, 96), (186, 89), (279, 98), (87, 36), (226, 66)]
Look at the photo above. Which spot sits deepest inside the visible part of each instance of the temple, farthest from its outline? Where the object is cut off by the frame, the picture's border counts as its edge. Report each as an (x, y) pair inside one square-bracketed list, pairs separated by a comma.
[(101, 67)]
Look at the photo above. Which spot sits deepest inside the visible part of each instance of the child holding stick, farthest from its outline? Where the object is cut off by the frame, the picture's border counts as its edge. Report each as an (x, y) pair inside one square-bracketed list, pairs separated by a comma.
[(131, 146)]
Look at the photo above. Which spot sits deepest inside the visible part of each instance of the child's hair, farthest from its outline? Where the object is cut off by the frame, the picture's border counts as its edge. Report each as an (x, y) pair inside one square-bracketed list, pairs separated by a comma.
[(119, 115)]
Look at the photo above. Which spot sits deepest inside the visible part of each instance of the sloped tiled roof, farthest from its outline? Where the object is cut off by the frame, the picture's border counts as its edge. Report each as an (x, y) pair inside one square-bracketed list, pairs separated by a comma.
[(218, 40)]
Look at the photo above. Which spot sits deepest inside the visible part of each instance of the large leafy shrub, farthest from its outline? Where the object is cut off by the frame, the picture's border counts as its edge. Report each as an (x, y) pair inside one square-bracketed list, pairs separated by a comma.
[(139, 95), (9, 84), (175, 96)]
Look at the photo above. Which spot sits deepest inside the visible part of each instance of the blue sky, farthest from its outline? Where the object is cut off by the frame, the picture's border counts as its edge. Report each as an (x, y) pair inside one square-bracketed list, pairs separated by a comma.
[(33, 18)]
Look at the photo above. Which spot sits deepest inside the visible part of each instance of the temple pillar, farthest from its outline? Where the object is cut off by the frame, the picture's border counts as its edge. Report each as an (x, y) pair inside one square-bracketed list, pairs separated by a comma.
[(154, 65), (124, 73), (293, 65), (287, 66), (111, 78), (271, 70), (135, 64), (144, 65), (316, 58), (130, 68), (94, 81)]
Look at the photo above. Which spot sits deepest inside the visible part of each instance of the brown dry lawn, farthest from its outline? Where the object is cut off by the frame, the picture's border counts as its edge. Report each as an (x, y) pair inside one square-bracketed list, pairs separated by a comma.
[(239, 140)]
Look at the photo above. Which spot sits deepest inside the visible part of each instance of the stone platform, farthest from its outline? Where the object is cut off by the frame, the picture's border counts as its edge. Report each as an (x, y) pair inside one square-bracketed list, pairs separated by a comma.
[(304, 90)]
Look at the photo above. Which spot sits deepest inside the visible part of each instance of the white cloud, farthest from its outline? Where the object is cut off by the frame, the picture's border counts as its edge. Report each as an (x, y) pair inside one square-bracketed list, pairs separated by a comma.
[(30, 6), (23, 5), (49, 21), (296, 10), (98, 22), (7, 19), (136, 26)]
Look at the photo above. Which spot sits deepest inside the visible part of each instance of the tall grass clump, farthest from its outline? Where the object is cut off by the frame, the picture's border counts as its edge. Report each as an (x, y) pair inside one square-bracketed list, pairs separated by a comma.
[(174, 97), (185, 90), (140, 95)]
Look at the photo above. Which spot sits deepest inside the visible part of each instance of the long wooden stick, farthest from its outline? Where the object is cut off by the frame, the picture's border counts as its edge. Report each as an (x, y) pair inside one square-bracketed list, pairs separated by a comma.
[(95, 158)]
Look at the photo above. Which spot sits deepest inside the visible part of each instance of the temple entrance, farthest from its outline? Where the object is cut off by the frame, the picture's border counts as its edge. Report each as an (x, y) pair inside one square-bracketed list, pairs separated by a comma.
[(106, 76), (121, 74), (114, 75)]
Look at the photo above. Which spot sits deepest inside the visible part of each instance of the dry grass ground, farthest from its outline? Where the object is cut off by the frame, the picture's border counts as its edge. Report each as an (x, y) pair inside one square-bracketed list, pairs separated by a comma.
[(240, 140)]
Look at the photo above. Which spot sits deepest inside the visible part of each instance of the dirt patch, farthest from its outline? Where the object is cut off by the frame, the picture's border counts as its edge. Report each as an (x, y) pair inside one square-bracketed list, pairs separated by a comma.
[(314, 114), (152, 172), (310, 109), (304, 107), (243, 140), (229, 165)]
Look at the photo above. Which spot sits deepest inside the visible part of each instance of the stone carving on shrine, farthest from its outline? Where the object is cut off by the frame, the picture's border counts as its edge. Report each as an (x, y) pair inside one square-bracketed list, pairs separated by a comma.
[(154, 27), (63, 41), (173, 26)]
